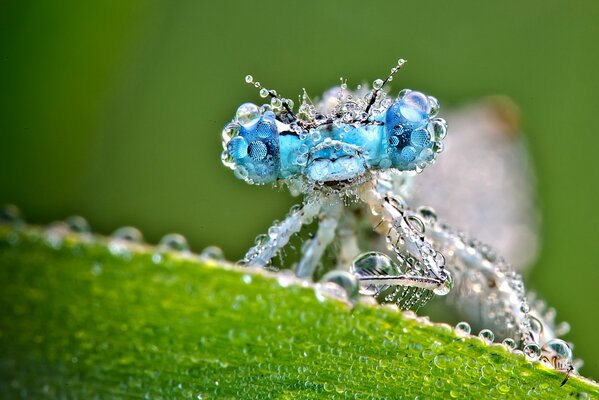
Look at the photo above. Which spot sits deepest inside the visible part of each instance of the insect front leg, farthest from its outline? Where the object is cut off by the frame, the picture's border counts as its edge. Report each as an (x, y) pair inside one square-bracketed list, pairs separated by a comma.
[(268, 245), (419, 271), (313, 250)]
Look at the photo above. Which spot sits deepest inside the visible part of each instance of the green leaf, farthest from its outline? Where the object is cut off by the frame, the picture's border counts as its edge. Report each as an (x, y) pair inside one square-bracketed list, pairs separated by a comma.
[(80, 321)]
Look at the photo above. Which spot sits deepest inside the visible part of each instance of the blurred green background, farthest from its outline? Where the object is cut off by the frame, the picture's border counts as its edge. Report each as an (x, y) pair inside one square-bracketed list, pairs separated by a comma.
[(113, 109)]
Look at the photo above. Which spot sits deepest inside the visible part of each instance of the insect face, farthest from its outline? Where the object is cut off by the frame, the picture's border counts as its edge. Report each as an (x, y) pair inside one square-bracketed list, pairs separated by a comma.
[(335, 141)]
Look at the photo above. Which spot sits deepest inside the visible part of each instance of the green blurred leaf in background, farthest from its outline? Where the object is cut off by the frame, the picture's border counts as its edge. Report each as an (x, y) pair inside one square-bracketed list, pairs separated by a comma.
[(113, 109)]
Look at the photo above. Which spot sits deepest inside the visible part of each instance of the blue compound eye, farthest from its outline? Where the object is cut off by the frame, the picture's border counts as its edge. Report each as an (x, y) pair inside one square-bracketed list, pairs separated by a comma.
[(413, 138), (252, 148)]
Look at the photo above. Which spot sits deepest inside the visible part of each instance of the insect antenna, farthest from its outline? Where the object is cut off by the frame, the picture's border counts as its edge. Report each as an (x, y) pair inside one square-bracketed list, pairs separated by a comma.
[(273, 95), (380, 83)]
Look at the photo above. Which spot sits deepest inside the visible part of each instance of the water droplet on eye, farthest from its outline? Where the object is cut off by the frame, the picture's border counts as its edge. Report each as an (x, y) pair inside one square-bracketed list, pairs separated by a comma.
[(247, 112), (510, 343), (377, 84), (263, 93), (346, 281), (438, 128), (532, 351), (10, 215), (463, 327), (434, 106), (487, 335), (229, 132), (403, 93), (212, 253), (78, 224)]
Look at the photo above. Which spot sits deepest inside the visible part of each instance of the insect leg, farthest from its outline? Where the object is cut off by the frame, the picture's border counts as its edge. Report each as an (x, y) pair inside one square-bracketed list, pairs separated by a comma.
[(313, 249), (267, 246), (420, 267)]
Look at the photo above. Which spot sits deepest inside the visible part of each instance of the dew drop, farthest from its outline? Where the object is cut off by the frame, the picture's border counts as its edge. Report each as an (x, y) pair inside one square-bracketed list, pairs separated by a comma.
[(377, 84), (77, 224), (510, 343), (249, 79), (345, 280), (463, 327), (487, 335), (532, 351), (263, 93), (121, 240), (212, 253), (173, 242), (428, 214), (129, 234), (441, 361)]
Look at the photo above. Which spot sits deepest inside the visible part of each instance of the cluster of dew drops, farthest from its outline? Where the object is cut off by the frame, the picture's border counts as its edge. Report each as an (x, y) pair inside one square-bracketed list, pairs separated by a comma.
[(123, 242)]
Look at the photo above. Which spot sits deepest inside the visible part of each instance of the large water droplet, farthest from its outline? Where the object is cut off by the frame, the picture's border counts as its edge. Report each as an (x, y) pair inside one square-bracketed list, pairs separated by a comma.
[(557, 353), (247, 112)]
